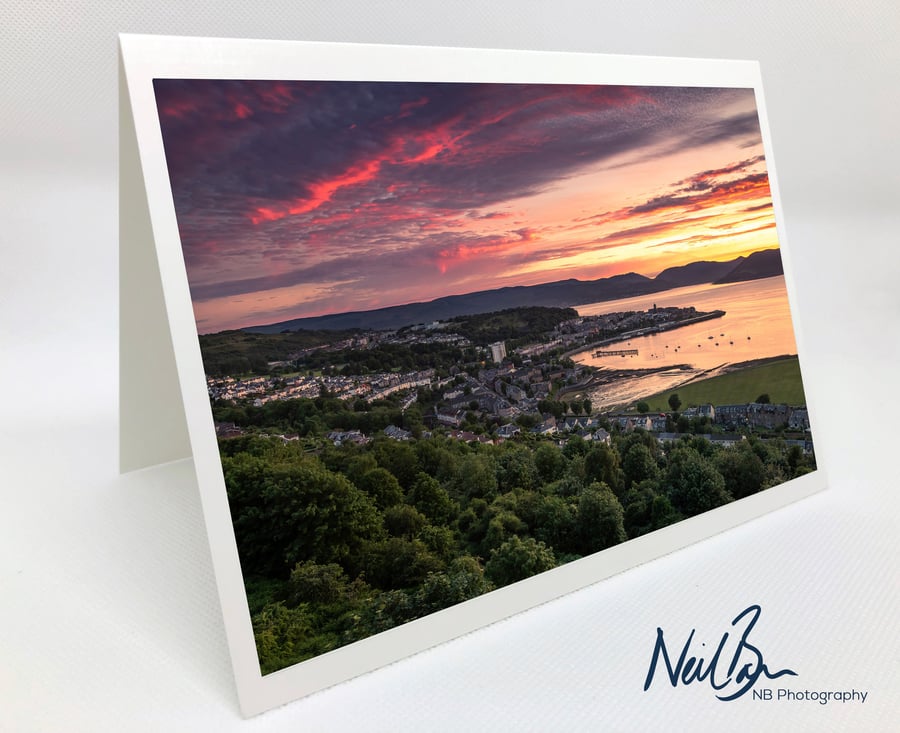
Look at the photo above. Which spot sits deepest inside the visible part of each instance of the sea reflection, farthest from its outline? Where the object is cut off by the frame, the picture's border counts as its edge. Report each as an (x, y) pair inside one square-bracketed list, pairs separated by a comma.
[(757, 324)]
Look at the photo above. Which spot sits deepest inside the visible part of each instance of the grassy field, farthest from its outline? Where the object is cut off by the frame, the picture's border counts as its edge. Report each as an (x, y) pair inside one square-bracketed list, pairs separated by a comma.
[(779, 379)]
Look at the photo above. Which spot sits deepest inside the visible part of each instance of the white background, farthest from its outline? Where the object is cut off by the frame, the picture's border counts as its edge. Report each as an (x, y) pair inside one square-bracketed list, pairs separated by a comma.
[(109, 618)]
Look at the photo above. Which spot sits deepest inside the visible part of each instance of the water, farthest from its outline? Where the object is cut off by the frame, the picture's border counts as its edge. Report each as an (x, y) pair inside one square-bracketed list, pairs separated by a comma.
[(757, 324)]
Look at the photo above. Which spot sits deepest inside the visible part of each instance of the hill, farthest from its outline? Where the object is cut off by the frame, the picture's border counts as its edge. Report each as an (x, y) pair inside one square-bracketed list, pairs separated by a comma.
[(696, 273), (766, 263), (563, 293), (558, 294)]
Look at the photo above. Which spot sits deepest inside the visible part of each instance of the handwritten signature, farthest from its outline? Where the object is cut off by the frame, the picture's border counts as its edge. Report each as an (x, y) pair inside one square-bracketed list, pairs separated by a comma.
[(744, 669)]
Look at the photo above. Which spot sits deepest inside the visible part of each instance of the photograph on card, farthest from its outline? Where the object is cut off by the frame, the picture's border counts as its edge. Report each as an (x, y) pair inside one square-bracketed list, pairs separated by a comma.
[(459, 334)]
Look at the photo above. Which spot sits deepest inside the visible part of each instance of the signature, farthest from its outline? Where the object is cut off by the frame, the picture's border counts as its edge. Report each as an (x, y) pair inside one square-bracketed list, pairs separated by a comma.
[(745, 667)]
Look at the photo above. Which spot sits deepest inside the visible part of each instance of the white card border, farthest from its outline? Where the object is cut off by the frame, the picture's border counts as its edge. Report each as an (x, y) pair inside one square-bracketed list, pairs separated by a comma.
[(144, 58)]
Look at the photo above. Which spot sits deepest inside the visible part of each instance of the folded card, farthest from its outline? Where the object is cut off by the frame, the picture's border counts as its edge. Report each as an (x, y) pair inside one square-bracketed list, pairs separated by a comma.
[(447, 332)]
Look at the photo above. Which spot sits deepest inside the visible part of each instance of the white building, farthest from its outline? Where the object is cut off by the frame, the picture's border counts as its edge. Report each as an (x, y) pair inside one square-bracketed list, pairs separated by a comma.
[(498, 351)]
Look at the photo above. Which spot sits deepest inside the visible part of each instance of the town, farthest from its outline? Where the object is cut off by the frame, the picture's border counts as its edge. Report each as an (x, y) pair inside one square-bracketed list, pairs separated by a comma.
[(497, 391)]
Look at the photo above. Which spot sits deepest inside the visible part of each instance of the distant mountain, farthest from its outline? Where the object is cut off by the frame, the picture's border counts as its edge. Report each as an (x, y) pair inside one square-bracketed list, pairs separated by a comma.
[(766, 263), (697, 272), (562, 293)]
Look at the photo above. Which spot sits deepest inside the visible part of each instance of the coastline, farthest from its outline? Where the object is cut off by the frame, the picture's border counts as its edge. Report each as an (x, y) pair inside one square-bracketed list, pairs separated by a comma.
[(661, 328), (608, 388)]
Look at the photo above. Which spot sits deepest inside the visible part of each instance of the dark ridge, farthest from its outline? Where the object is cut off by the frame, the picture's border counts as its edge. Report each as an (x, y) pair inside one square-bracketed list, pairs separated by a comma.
[(561, 294)]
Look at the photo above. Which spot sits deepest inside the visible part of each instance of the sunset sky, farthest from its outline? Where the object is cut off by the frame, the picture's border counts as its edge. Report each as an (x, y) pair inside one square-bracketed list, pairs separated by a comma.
[(305, 198)]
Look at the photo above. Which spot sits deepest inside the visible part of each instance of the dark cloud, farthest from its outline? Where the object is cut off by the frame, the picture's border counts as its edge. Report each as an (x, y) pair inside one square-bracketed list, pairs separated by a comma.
[(759, 207), (706, 196), (278, 184)]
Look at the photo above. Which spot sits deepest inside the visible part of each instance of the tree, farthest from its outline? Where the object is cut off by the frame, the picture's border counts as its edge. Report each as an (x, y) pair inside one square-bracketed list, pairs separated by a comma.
[(404, 521), (436, 459), (694, 485), (314, 583), (398, 562), (285, 513), (400, 459), (552, 520), (575, 446), (550, 462), (475, 477), (502, 525), (601, 519), (763, 399), (637, 504), (464, 579), (643, 407), (517, 559), (674, 401), (516, 469), (432, 499), (601, 464), (588, 406), (742, 469), (382, 486), (557, 409), (283, 637), (638, 464), (441, 541)]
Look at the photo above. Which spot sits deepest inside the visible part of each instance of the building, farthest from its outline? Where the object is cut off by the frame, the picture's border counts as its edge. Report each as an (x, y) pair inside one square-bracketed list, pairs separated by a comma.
[(498, 351), (395, 433)]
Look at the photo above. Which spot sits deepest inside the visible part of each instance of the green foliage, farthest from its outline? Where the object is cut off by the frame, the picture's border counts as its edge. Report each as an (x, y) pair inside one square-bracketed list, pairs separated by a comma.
[(336, 547), (429, 497), (763, 399), (285, 513), (476, 477), (240, 352), (743, 470), (502, 524), (549, 462), (464, 579), (398, 458), (519, 325), (552, 407), (283, 637), (517, 559), (601, 464), (643, 407), (398, 562), (694, 485), (382, 486), (639, 465), (550, 519), (674, 401), (311, 582), (262, 591), (404, 521), (601, 519), (516, 469), (441, 541)]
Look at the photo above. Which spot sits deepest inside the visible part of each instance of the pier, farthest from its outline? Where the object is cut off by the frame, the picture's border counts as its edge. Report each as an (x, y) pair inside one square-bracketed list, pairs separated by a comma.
[(616, 352)]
